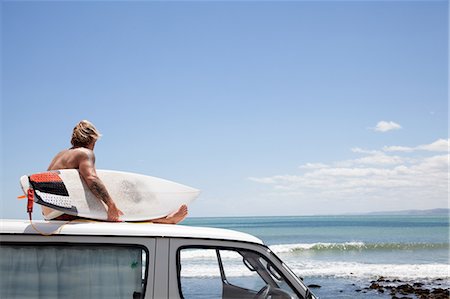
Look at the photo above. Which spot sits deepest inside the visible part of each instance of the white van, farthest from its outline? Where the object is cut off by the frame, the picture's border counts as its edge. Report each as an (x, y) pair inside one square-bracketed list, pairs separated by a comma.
[(87, 259)]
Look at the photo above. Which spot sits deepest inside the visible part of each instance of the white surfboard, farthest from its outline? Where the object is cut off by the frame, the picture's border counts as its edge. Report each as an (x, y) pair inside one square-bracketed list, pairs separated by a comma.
[(139, 197)]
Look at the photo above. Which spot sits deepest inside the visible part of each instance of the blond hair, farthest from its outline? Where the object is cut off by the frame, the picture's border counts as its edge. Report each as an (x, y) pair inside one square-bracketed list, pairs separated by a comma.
[(84, 133)]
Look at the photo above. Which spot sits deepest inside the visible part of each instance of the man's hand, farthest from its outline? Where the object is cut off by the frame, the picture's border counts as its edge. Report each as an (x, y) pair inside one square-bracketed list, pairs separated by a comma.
[(114, 213)]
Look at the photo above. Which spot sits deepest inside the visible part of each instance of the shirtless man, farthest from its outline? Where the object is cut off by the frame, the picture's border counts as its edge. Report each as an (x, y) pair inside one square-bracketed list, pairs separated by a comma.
[(81, 156)]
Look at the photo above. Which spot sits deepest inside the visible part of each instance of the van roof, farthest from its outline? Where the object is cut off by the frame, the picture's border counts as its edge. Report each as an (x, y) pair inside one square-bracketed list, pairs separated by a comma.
[(95, 228)]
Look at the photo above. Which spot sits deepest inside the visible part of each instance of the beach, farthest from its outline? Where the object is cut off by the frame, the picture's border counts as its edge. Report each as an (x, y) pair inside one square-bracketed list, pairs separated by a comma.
[(355, 256)]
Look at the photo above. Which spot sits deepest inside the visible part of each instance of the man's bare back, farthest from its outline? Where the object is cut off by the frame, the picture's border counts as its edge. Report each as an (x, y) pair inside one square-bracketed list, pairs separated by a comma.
[(70, 158)]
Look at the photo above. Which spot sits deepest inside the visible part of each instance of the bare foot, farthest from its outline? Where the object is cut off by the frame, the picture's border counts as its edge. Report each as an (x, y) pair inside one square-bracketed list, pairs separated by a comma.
[(175, 217)]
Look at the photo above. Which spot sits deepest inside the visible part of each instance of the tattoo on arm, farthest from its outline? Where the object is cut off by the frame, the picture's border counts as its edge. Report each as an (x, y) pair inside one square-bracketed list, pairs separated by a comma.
[(99, 190)]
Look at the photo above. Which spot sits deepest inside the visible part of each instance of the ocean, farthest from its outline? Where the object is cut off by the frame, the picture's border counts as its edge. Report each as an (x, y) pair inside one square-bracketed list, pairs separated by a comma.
[(344, 255)]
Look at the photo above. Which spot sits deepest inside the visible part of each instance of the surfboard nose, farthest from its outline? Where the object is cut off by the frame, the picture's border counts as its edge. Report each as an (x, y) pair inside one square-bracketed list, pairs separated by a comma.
[(195, 192)]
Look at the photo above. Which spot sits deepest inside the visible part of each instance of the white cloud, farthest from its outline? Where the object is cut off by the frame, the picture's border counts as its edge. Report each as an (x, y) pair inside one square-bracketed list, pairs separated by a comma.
[(314, 166), (396, 148), (363, 151), (384, 126), (373, 158), (440, 145), (377, 176)]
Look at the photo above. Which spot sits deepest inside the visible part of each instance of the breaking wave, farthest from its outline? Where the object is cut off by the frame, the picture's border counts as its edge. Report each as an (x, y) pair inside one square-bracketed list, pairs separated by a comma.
[(353, 270), (355, 246)]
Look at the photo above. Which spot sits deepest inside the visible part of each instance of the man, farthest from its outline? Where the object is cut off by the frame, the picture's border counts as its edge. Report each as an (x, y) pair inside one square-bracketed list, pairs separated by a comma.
[(81, 156)]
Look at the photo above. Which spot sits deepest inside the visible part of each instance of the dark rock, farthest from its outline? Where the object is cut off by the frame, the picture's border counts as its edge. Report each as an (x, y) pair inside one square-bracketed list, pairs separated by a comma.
[(422, 292), (405, 289), (375, 286), (314, 286), (441, 292)]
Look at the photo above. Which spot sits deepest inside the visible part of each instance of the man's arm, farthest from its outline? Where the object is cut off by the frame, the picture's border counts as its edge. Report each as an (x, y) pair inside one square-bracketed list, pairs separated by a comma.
[(95, 184)]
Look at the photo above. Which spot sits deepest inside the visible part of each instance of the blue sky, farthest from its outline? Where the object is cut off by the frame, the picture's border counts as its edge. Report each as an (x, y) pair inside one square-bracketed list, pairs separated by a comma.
[(270, 108)]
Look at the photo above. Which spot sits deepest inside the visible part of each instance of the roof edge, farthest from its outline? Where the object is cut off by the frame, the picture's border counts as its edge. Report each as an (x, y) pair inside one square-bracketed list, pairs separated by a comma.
[(143, 229)]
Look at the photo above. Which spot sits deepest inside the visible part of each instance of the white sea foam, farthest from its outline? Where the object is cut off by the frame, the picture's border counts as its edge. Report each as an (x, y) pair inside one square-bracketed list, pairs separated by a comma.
[(307, 267), (284, 248), (208, 254), (334, 270), (366, 270), (356, 246)]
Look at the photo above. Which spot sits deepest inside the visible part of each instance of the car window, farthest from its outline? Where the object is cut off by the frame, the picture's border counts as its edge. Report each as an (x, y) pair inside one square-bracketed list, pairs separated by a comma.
[(229, 274), (238, 272), (72, 271), (199, 274)]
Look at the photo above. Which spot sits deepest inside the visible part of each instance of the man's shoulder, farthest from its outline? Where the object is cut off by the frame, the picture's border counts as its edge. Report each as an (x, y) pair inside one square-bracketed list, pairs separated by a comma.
[(82, 152)]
